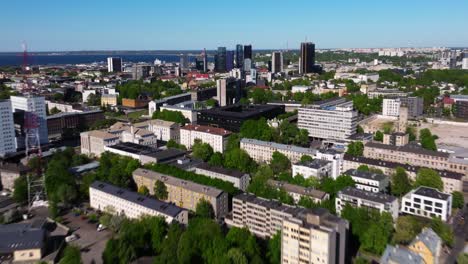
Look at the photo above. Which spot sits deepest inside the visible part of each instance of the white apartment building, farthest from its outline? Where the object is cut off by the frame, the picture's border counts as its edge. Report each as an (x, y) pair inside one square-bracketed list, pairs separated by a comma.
[(163, 130), (214, 136), (427, 202), (329, 119), (360, 198), (35, 105), (391, 107), (110, 198), (187, 109), (262, 151), (93, 143), (316, 168), (300, 88), (7, 129), (336, 159), (369, 181), (139, 136), (239, 179), (465, 63)]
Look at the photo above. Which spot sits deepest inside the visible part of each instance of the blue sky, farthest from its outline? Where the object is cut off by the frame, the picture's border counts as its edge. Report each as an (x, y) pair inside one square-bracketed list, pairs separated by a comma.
[(53, 25)]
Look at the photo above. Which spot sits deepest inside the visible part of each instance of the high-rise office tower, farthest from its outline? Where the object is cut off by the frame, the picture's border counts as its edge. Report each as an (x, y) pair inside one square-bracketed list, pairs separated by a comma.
[(307, 59), (34, 105), (277, 62), (247, 65), (239, 56), (229, 60), (220, 62), (248, 52), (141, 71), (114, 64), (205, 61), (183, 61), (7, 129)]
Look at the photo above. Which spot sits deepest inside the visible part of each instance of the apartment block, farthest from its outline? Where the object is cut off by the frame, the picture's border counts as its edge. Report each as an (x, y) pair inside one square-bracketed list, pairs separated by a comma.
[(333, 119), (35, 107), (360, 198), (315, 168), (93, 143), (453, 181), (314, 236), (214, 136), (427, 202), (239, 179), (369, 181), (107, 197), (336, 159), (416, 156), (163, 130), (7, 129), (262, 151), (297, 192), (186, 194)]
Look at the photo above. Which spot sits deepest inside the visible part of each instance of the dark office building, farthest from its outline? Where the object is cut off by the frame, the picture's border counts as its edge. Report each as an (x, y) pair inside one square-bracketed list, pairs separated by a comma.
[(247, 51), (220, 60), (63, 123), (114, 64), (199, 65), (460, 109), (307, 60), (239, 56), (229, 91), (233, 116), (229, 60), (140, 71)]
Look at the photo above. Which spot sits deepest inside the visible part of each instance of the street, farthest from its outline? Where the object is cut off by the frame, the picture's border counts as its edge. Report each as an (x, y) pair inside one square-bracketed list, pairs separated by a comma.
[(460, 231)]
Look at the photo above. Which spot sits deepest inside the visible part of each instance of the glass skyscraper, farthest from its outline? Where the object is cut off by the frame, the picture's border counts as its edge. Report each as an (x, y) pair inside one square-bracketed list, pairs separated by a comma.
[(239, 56), (307, 60), (220, 63)]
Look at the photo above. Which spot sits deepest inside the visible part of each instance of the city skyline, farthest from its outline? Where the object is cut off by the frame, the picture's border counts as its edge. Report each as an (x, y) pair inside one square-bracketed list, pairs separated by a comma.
[(59, 26)]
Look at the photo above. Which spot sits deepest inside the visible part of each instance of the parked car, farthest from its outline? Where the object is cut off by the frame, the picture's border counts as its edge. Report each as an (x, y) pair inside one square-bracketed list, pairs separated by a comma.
[(71, 238), (101, 227)]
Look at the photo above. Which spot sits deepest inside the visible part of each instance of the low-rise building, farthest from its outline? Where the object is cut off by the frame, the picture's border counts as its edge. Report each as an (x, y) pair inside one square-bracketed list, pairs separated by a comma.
[(453, 181), (22, 243), (369, 181), (214, 136), (262, 151), (336, 159), (187, 109), (110, 198), (163, 130), (184, 193), (239, 179), (427, 202), (139, 136), (316, 168), (428, 245), (145, 154), (360, 198), (93, 143), (61, 123), (9, 172), (297, 192), (109, 100), (398, 255)]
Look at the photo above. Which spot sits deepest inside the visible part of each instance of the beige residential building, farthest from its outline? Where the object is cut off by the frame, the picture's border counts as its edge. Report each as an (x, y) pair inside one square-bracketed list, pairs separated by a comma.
[(183, 193), (107, 197), (9, 172), (163, 130), (262, 151), (93, 142), (297, 192), (315, 236), (416, 156), (239, 179), (214, 136), (109, 99)]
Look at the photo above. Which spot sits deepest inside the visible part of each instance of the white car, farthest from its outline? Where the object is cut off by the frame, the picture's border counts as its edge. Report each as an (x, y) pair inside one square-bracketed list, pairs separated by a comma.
[(71, 238), (101, 227)]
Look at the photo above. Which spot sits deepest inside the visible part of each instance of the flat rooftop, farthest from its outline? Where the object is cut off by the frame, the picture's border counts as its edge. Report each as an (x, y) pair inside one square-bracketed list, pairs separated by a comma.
[(409, 148), (314, 164), (207, 129), (241, 112), (221, 170), (431, 192), (365, 195), (366, 175), (138, 149), (305, 151), (151, 203)]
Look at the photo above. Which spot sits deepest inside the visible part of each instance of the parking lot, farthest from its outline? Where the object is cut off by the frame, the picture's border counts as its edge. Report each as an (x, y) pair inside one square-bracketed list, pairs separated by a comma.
[(91, 242)]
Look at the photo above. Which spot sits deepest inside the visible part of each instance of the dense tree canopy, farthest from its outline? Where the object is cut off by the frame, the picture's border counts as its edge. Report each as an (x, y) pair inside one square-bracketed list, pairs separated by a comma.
[(156, 90), (173, 116), (355, 148), (202, 150), (427, 139), (429, 178), (400, 184)]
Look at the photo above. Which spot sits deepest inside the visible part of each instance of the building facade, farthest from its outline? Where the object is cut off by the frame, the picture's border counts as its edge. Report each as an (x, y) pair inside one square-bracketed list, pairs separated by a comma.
[(427, 202), (316, 168), (163, 130), (360, 198), (7, 129), (297, 192), (183, 193), (239, 179), (369, 181), (333, 119), (262, 151), (307, 59), (112, 199), (114, 64), (215, 137), (276, 61)]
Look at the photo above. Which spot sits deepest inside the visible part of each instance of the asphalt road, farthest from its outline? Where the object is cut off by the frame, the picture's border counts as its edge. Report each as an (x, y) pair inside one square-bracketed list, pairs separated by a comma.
[(460, 230)]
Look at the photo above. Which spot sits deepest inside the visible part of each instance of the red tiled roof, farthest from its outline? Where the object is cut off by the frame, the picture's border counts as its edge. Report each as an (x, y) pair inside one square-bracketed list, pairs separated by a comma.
[(207, 129)]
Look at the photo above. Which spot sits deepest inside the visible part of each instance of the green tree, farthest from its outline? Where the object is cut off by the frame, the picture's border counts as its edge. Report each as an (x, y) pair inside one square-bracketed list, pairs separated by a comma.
[(457, 200), (306, 158), (239, 159), (355, 148), (66, 194), (71, 255), (427, 139), (363, 168), (257, 129), (216, 159), (54, 111), (378, 136), (202, 150), (109, 255), (429, 178), (160, 190), (407, 228), (400, 184), (204, 209), (143, 190), (279, 162), (168, 253), (274, 249), (463, 257), (173, 116), (211, 102), (20, 192), (443, 231), (173, 144)]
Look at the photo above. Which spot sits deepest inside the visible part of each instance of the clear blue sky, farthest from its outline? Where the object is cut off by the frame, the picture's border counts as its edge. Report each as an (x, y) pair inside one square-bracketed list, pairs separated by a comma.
[(56, 25)]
